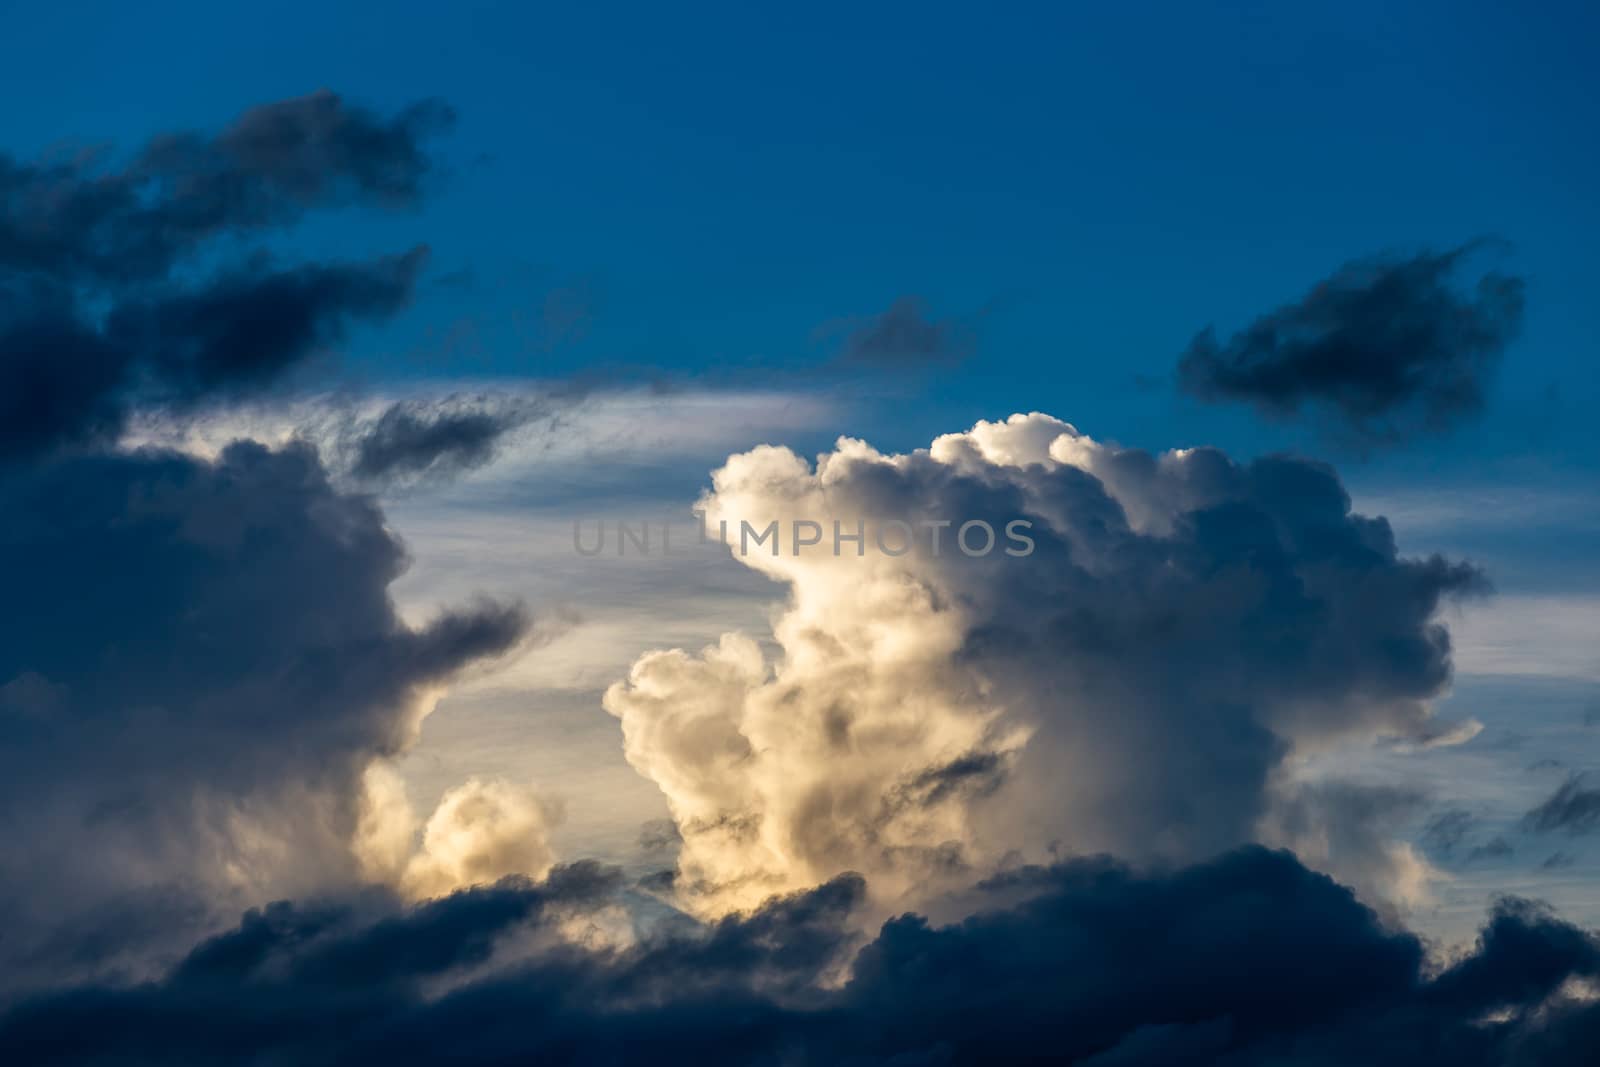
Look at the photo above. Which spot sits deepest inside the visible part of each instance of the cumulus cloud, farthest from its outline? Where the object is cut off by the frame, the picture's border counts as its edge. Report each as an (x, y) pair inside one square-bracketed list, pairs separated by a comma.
[(481, 832), (1388, 346), (1135, 684), (1248, 959), (199, 661), (95, 317)]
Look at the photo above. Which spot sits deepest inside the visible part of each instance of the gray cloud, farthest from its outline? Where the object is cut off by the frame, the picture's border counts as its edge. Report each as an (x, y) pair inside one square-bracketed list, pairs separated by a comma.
[(1388, 347), (1496, 848), (65, 380), (94, 320), (1250, 959), (418, 440), (77, 220), (1571, 808), (904, 335), (1445, 832), (198, 662)]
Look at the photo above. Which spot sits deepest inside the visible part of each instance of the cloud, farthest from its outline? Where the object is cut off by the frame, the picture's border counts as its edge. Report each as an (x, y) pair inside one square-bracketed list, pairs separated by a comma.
[(199, 660), (1248, 959), (1571, 808), (481, 832), (97, 319), (1354, 829), (1387, 347), (1182, 626), (77, 220), (66, 381), (1446, 832), (1496, 848), (417, 439), (904, 335)]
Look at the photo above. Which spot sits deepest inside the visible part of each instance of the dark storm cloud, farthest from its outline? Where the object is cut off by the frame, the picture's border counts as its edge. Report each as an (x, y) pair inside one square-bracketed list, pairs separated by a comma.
[(78, 221), (1571, 808), (65, 379), (1387, 346), (244, 329), (1250, 959), (416, 440), (92, 319), (197, 662), (904, 335)]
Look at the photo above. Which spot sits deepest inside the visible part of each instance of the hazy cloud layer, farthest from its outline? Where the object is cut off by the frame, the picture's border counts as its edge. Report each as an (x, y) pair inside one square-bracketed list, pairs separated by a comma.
[(1387, 347), (1183, 624)]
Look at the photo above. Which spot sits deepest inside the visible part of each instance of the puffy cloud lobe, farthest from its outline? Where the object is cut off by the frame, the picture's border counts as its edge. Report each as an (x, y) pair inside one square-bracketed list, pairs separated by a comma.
[(1249, 959), (200, 661), (480, 832), (1387, 346), (75, 220), (1134, 685)]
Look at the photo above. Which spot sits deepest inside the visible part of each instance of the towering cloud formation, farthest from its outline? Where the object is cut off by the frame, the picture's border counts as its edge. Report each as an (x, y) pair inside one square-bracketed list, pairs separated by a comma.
[(198, 663), (1134, 684), (91, 320), (1387, 346)]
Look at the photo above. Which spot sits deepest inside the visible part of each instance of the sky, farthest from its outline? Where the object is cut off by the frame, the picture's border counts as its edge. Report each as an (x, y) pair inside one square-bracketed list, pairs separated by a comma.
[(329, 337)]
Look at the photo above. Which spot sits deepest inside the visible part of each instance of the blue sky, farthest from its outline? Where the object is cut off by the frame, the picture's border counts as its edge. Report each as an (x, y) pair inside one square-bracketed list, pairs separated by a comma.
[(295, 612), (1085, 187)]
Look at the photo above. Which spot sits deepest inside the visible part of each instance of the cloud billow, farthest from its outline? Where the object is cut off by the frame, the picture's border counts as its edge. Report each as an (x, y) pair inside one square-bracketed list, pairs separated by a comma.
[(199, 662), (1387, 347), (1248, 959), (1136, 684)]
